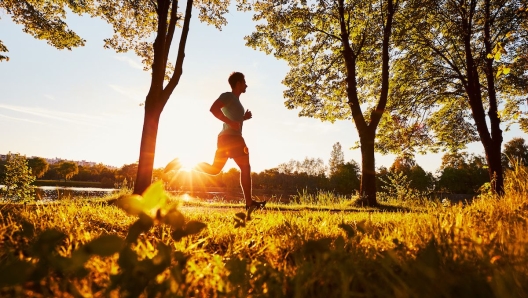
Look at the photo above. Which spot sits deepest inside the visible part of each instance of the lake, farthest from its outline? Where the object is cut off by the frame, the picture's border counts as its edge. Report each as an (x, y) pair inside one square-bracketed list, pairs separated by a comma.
[(52, 193)]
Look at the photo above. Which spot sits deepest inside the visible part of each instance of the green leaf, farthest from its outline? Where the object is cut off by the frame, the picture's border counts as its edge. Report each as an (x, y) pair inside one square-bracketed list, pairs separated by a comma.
[(241, 215), (178, 234), (28, 229), (238, 271), (47, 242), (78, 259), (131, 204), (362, 226), (348, 230), (339, 242), (154, 196), (143, 224), (174, 218), (105, 245), (15, 273), (162, 259), (194, 227), (128, 259), (498, 55)]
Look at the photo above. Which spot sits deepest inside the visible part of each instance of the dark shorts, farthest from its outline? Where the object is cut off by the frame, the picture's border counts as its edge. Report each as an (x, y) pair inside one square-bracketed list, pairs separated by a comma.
[(231, 146)]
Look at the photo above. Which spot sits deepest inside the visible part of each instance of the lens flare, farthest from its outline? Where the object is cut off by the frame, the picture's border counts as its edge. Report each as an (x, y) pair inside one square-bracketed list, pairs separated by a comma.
[(186, 197)]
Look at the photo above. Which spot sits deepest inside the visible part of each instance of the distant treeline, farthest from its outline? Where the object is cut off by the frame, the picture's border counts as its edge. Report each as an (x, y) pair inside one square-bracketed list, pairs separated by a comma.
[(459, 173)]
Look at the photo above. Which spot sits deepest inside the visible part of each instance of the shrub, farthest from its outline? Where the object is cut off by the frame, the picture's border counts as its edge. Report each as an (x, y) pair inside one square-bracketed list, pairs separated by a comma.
[(18, 179)]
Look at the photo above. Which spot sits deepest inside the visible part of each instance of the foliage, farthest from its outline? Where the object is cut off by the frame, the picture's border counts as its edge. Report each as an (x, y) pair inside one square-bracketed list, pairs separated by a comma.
[(67, 169), (515, 152), (38, 165), (309, 166), (398, 187), (136, 274), (128, 172), (438, 51), (419, 180), (18, 179), (346, 178), (339, 54), (462, 50), (45, 20), (337, 159), (461, 173), (3, 49)]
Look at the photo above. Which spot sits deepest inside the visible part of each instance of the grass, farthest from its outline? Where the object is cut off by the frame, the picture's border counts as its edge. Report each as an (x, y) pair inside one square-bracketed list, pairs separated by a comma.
[(303, 249)]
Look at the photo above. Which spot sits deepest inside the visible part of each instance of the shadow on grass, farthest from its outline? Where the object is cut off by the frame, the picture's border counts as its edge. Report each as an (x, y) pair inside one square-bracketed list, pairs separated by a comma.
[(270, 207)]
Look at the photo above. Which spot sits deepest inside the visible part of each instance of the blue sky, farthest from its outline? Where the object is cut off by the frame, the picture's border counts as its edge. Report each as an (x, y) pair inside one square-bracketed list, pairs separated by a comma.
[(84, 104)]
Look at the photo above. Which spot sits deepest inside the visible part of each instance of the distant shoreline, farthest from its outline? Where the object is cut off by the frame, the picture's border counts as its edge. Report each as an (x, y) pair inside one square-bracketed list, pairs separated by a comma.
[(68, 183)]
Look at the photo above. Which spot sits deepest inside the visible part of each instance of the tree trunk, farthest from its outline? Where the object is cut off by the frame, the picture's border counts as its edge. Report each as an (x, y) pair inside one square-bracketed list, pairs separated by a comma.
[(492, 142), (493, 157), (147, 149), (493, 152), (367, 188)]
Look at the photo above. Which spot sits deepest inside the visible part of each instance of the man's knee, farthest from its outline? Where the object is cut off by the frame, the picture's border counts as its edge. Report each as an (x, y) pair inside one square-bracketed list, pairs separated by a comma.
[(215, 171)]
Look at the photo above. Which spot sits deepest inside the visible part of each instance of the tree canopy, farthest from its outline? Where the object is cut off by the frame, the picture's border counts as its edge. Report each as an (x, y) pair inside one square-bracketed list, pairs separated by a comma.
[(46, 20)]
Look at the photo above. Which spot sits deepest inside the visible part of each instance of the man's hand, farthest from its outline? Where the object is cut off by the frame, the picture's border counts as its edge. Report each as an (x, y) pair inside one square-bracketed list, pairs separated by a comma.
[(248, 115)]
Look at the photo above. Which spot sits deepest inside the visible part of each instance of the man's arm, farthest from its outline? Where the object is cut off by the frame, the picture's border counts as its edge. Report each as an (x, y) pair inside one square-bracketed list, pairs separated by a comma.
[(216, 110)]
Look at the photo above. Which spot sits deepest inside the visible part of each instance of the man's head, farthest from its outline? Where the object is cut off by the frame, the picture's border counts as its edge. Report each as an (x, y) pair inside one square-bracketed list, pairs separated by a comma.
[(237, 82)]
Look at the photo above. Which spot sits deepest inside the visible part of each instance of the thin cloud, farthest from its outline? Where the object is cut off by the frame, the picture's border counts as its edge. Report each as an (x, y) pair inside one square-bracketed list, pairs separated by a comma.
[(49, 96), (21, 119), (130, 62), (125, 91), (320, 128), (61, 116)]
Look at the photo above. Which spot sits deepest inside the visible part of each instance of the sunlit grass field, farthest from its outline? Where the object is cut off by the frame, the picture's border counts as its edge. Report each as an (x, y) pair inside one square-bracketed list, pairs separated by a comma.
[(311, 248)]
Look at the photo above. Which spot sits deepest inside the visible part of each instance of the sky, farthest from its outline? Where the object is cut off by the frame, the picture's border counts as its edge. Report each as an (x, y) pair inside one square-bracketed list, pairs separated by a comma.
[(84, 104)]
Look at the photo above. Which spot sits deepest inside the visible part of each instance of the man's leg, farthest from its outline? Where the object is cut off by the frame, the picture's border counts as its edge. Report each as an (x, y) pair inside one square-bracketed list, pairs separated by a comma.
[(218, 164), (245, 176)]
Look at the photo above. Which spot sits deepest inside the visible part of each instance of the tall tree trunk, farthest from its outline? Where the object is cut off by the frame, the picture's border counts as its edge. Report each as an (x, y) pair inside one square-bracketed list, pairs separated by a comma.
[(367, 188), (493, 153), (366, 131), (147, 149), (492, 142)]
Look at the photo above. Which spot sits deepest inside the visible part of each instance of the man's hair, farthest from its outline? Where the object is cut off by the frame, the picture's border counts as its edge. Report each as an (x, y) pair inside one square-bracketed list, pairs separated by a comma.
[(234, 78)]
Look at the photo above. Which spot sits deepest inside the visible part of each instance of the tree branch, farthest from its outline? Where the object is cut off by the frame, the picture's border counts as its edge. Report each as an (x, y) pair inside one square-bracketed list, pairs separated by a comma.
[(181, 49), (171, 29)]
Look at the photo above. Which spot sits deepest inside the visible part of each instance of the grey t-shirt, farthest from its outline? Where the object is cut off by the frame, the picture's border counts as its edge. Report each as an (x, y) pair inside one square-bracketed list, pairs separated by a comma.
[(233, 110)]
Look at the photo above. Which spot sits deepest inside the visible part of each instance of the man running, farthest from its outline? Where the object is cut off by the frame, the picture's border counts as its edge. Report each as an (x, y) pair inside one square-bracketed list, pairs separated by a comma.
[(230, 144)]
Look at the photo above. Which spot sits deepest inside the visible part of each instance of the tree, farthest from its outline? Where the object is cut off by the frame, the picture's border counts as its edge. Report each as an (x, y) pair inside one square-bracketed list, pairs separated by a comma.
[(515, 151), (18, 178), (417, 177), (67, 169), (345, 178), (231, 179), (462, 173), (39, 166), (134, 22), (128, 172), (45, 20), (456, 47), (312, 167), (337, 159), (339, 55)]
